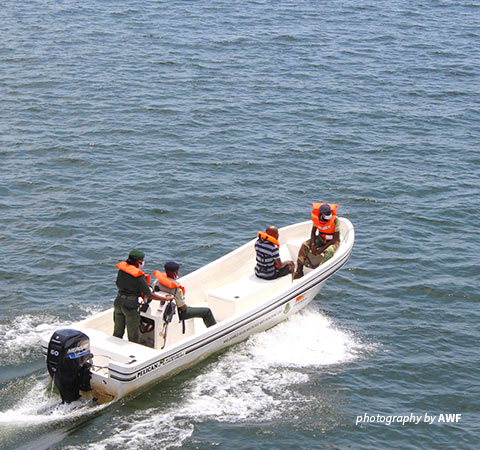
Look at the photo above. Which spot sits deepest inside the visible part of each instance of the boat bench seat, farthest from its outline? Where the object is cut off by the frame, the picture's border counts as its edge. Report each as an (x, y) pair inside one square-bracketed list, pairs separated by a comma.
[(293, 246), (107, 348), (241, 294)]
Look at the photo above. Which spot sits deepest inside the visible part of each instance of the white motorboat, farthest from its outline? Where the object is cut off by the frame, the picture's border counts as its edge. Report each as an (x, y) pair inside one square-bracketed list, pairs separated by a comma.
[(242, 304)]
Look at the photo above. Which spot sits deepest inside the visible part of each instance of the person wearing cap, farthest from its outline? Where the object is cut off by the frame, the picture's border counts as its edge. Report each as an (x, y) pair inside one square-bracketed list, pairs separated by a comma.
[(167, 282), (324, 238), (132, 283), (269, 265)]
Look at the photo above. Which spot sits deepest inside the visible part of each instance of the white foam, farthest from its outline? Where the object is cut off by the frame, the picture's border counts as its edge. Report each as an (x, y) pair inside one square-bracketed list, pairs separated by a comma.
[(39, 407), (34, 404), (21, 337), (307, 339), (254, 380)]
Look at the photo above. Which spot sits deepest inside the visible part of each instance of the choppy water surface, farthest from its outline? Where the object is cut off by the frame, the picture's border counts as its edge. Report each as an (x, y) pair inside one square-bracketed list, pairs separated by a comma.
[(183, 128)]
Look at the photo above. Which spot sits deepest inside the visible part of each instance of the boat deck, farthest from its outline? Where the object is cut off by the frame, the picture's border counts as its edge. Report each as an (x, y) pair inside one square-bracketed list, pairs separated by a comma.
[(243, 293)]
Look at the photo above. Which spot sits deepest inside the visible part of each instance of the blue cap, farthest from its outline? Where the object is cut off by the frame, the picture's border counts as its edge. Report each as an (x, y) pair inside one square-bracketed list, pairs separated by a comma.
[(325, 209), (171, 266)]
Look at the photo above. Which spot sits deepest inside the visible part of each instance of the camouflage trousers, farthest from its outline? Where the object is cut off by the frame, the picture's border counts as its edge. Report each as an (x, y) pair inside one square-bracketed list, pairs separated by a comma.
[(308, 259)]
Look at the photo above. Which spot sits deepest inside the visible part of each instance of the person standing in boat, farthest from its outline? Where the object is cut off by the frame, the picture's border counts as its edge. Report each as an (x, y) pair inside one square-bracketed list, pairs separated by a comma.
[(166, 282), (324, 238), (131, 283), (269, 265)]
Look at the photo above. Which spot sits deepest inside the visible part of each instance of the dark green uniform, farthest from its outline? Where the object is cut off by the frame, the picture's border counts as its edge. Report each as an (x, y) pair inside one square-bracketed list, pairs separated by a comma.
[(125, 307)]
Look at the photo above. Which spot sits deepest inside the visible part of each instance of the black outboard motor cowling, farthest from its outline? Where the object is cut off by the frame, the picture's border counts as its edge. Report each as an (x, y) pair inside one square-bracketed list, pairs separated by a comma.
[(68, 363)]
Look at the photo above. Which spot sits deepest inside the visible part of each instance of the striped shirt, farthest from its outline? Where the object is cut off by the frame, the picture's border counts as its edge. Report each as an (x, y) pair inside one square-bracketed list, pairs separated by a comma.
[(267, 253)]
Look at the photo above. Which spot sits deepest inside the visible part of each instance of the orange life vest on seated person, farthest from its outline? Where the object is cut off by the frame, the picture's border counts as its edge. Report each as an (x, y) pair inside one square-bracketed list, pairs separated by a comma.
[(269, 238), (132, 270), (325, 229), (167, 282)]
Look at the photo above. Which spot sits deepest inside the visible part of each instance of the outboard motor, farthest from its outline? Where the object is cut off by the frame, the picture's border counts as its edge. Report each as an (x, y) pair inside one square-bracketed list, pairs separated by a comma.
[(68, 363)]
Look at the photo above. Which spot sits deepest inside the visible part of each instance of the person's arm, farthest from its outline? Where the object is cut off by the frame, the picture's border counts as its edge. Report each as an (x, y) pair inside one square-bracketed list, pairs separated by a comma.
[(145, 288), (180, 300), (177, 296), (315, 250), (336, 236), (313, 233), (279, 264), (161, 297)]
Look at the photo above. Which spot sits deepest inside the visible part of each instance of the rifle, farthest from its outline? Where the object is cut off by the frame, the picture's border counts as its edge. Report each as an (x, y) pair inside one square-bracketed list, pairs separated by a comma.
[(168, 314)]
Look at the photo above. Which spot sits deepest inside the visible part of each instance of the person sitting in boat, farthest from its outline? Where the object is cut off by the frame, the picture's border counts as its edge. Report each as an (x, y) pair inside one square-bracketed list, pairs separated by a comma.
[(324, 238), (166, 282), (269, 265), (131, 283)]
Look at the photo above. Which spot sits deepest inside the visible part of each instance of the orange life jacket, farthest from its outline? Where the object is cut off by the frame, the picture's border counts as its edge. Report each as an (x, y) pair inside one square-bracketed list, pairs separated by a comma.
[(132, 270), (167, 282), (267, 237), (325, 229)]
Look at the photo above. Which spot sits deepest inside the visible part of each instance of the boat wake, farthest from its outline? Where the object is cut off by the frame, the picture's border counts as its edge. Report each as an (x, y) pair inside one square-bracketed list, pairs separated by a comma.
[(20, 338), (39, 406), (264, 379), (27, 404), (37, 416)]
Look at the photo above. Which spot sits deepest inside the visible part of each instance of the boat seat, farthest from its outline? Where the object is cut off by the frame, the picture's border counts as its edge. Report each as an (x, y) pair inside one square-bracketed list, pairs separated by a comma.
[(240, 294), (106, 348)]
